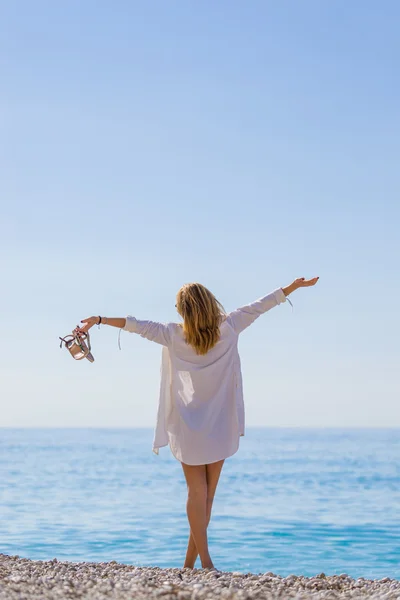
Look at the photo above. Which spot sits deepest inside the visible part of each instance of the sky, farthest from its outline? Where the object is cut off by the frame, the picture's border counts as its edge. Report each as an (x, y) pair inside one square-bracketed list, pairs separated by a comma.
[(238, 144)]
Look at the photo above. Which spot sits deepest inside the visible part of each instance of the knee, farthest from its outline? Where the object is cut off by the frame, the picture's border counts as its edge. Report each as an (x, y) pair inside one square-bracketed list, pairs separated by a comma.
[(209, 506), (197, 491)]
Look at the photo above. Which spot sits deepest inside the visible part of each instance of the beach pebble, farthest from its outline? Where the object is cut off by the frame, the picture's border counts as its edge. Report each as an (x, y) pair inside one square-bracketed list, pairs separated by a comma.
[(21, 578)]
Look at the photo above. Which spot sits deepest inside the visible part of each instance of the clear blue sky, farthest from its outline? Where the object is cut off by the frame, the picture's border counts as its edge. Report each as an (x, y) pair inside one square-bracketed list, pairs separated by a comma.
[(239, 144)]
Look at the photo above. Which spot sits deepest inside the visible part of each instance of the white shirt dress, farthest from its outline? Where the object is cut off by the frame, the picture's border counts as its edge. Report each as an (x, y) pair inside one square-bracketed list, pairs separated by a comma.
[(201, 410)]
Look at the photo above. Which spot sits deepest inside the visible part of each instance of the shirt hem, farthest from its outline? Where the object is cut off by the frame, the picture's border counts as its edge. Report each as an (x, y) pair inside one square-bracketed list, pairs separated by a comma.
[(210, 462)]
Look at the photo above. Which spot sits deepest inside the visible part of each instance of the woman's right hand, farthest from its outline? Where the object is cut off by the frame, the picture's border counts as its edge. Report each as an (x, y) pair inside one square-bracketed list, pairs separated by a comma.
[(89, 322)]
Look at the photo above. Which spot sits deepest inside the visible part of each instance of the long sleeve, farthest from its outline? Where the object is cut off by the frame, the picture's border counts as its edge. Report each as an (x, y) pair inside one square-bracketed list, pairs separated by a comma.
[(151, 330), (242, 317)]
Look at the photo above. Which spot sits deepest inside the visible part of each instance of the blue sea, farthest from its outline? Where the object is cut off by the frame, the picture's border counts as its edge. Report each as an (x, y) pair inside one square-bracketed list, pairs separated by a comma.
[(289, 501)]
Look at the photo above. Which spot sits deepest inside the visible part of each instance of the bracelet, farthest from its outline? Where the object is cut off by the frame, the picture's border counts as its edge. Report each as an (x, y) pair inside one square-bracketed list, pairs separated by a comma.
[(99, 322)]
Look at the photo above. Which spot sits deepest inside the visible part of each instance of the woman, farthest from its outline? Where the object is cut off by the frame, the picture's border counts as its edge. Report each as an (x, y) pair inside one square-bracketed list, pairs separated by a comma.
[(201, 411)]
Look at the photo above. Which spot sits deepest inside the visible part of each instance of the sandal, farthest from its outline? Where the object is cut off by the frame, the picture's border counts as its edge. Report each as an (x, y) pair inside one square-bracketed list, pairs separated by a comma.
[(77, 346)]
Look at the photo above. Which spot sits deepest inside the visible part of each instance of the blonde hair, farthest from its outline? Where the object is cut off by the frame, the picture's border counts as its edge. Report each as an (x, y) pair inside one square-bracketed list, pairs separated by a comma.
[(202, 315)]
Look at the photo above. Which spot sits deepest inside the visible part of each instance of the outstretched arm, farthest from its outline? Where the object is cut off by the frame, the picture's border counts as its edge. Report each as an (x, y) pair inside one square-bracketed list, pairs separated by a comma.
[(242, 317), (151, 330), (90, 321)]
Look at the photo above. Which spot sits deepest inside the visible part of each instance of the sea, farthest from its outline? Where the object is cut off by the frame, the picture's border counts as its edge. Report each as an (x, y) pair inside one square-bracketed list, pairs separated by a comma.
[(290, 501)]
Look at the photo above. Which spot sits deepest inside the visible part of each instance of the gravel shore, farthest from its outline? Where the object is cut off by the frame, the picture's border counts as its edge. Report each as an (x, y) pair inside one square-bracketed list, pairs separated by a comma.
[(21, 578)]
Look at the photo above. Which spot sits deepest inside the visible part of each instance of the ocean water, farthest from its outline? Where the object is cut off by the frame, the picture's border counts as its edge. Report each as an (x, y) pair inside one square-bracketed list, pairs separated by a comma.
[(289, 501)]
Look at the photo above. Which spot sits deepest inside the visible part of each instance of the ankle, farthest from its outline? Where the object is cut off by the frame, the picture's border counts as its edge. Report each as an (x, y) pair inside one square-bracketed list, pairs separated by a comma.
[(207, 564)]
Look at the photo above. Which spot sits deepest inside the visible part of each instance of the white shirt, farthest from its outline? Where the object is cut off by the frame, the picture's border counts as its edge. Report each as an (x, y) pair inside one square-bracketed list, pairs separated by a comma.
[(201, 410)]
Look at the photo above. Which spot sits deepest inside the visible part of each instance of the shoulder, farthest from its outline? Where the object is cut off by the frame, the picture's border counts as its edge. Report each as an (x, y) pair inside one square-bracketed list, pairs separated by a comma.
[(174, 327), (175, 332), (227, 322)]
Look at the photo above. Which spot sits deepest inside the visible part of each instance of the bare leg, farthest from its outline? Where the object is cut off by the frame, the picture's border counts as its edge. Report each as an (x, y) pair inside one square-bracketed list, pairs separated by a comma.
[(213, 472), (196, 508)]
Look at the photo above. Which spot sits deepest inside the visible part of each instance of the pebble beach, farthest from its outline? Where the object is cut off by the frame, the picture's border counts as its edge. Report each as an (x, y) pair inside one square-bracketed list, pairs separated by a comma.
[(25, 579)]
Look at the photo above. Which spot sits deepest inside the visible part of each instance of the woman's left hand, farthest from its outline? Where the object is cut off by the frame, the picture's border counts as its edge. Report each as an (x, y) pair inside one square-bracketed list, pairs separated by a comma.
[(302, 282)]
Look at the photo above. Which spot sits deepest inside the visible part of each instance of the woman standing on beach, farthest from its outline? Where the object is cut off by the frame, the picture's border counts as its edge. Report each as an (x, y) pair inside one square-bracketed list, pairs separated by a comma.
[(201, 411)]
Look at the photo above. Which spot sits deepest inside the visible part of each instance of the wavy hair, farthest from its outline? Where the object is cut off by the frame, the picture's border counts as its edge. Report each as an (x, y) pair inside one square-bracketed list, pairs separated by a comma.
[(202, 315)]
